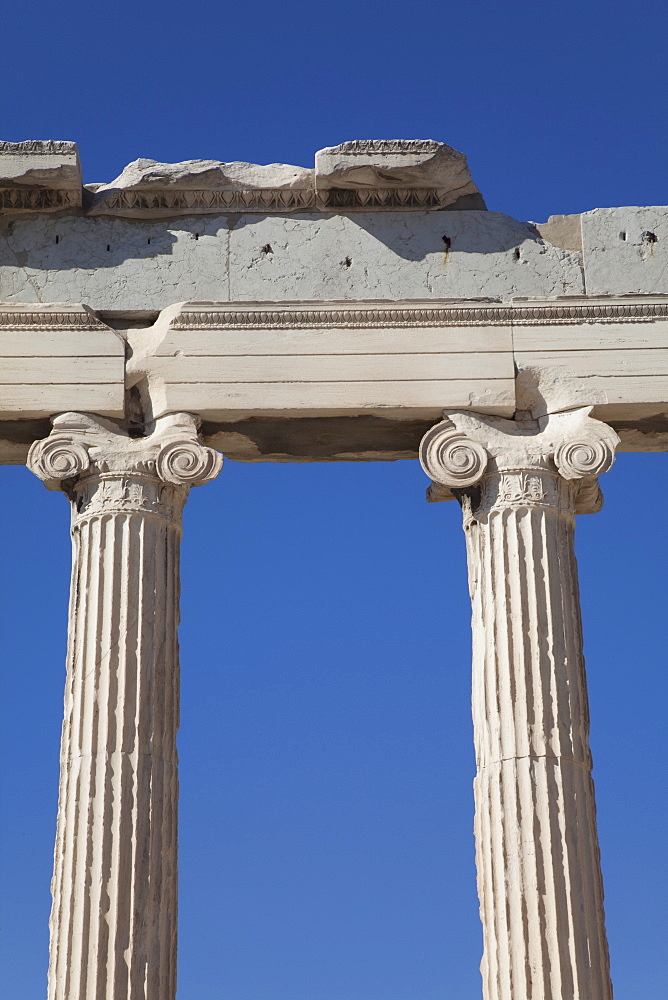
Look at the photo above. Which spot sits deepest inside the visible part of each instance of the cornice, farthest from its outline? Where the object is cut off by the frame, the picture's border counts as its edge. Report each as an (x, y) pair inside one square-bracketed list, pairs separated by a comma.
[(362, 175)]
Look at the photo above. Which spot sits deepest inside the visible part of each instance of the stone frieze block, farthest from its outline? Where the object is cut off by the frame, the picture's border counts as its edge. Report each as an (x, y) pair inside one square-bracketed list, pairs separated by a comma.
[(147, 189), (394, 174), (365, 174), (39, 176)]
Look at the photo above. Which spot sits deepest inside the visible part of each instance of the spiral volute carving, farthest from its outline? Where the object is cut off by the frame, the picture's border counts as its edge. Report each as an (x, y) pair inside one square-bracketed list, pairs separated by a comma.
[(589, 456), (451, 458), (56, 458), (187, 463)]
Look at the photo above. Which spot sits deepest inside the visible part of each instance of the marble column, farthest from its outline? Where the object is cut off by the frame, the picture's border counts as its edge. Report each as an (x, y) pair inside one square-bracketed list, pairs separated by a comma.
[(114, 888), (520, 484)]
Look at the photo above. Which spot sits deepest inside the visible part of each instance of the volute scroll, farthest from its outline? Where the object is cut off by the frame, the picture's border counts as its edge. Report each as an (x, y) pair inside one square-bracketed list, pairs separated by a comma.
[(451, 458), (57, 458), (588, 455), (187, 463)]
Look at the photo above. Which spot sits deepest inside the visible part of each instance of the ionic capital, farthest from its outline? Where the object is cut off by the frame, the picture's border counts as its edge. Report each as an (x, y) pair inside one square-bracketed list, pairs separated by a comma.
[(100, 467), (520, 461)]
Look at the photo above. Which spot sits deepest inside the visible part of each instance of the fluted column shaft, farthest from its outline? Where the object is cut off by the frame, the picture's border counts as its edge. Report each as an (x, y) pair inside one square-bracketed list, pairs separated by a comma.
[(539, 878), (537, 855), (114, 915)]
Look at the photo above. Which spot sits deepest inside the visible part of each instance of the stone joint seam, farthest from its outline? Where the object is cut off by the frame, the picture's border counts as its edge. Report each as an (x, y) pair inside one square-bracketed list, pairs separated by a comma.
[(537, 756), (158, 758)]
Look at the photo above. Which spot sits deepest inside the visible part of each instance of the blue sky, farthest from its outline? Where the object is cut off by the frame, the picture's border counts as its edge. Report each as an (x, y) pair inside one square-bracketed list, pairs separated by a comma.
[(326, 746)]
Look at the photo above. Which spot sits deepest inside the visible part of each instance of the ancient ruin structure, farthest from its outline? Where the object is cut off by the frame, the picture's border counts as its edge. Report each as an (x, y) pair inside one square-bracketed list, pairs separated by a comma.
[(370, 309)]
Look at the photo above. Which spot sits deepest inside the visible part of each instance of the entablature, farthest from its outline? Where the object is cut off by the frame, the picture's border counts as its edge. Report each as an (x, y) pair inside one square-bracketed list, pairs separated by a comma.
[(336, 380)]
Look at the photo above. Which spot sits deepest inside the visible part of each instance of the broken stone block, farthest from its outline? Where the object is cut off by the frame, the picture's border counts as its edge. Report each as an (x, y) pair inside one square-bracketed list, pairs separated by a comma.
[(39, 175), (147, 189), (395, 174), (564, 231)]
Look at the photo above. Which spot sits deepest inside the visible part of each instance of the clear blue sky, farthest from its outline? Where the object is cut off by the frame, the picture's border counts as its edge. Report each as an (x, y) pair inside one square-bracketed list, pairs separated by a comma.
[(326, 747)]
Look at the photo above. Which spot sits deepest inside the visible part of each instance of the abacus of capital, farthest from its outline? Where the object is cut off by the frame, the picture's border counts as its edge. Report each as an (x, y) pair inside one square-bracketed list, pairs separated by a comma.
[(418, 331)]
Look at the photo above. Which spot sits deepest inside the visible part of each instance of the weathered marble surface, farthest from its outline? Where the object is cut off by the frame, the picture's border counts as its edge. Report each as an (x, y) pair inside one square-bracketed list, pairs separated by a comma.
[(563, 231), (114, 263), (375, 218), (393, 163), (55, 357), (147, 189), (378, 174), (145, 174), (625, 250), (385, 171)]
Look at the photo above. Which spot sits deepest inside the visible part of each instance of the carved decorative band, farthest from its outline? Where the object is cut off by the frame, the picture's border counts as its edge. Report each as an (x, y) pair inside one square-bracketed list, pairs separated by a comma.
[(37, 147), (486, 314), (295, 317), (587, 312), (127, 494), (38, 199), (523, 488), (45, 320), (361, 198), (185, 201), (335, 318), (362, 147)]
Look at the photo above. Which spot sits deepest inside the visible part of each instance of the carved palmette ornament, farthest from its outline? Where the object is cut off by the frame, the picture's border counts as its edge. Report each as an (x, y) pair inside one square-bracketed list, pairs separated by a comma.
[(113, 494), (522, 486), (204, 202), (517, 488)]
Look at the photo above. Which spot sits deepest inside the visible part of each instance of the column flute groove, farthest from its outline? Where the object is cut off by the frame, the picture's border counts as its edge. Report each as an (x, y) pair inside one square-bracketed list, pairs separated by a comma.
[(113, 921), (520, 484)]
